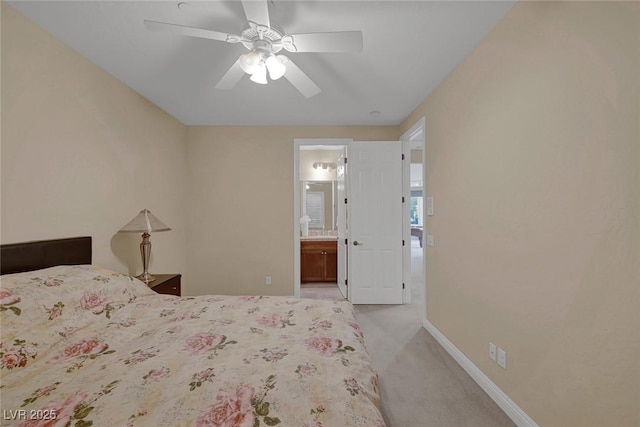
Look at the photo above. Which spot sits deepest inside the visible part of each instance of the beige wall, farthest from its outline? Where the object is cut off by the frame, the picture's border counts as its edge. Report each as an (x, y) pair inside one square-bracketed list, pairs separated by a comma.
[(416, 156), (533, 157), (82, 153), (240, 196)]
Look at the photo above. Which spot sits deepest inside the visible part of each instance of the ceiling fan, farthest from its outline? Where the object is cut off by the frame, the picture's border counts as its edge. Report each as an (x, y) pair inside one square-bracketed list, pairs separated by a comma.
[(264, 44)]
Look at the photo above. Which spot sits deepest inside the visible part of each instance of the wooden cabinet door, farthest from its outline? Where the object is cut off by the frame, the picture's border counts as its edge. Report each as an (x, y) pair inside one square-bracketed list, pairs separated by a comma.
[(331, 263), (311, 264), (318, 261)]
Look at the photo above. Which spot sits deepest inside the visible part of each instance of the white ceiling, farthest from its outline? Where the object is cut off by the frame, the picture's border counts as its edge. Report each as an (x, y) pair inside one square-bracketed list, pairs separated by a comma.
[(409, 47)]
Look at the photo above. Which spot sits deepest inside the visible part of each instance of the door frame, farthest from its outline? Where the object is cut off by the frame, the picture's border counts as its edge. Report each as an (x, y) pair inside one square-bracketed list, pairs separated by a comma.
[(297, 143), (342, 226), (417, 130)]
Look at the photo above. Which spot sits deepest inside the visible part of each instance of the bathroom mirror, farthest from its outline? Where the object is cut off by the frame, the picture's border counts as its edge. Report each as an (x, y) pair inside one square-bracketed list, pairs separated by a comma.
[(317, 174), (318, 202)]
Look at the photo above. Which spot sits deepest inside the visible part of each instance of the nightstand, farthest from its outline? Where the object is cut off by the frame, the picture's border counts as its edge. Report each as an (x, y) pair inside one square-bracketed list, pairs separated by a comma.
[(168, 284)]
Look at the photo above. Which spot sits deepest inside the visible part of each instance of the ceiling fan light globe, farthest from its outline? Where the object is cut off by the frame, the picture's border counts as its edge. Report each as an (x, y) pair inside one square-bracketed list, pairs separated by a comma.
[(275, 67), (260, 75), (250, 62)]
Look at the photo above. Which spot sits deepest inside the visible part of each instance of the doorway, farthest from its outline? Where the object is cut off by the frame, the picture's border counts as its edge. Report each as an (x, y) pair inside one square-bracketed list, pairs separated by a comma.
[(317, 255), (372, 289)]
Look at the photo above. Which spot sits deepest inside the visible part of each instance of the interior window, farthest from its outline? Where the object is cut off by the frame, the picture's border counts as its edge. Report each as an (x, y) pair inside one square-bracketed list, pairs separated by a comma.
[(415, 210), (315, 208)]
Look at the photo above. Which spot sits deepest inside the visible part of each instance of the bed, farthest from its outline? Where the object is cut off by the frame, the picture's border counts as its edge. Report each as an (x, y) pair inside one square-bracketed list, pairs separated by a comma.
[(82, 345)]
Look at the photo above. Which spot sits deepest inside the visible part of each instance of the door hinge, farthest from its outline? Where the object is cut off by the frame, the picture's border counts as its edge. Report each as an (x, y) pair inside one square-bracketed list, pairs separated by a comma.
[(403, 286), (345, 200), (402, 199), (346, 282), (403, 242), (402, 156), (346, 241), (345, 160)]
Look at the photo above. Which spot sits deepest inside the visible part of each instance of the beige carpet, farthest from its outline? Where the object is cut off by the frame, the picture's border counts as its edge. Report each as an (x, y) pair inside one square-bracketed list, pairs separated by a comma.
[(327, 291), (421, 385)]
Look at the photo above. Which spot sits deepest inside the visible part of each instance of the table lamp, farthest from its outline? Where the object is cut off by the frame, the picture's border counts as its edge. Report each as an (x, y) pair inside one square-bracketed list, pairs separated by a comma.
[(144, 223)]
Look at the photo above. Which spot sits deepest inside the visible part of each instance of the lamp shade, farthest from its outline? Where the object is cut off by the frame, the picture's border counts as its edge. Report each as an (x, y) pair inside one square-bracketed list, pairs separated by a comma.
[(144, 222), (260, 76), (275, 67), (249, 62)]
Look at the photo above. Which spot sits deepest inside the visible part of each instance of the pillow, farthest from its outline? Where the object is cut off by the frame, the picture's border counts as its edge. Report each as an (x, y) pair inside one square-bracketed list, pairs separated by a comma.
[(40, 308), (61, 292)]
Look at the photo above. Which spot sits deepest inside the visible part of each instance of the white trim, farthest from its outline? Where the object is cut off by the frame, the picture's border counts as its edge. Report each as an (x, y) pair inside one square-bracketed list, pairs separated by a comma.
[(414, 132), (297, 144), (510, 408), (406, 235)]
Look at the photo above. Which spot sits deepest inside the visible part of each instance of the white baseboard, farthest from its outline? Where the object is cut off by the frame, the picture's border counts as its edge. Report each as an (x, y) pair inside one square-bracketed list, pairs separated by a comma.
[(504, 402)]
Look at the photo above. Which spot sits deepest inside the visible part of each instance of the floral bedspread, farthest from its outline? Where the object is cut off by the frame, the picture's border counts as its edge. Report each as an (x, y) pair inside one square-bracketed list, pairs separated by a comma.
[(84, 346)]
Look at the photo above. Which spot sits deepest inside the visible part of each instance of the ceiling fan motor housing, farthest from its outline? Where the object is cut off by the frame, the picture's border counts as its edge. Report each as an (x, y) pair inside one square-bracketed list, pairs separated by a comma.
[(261, 38)]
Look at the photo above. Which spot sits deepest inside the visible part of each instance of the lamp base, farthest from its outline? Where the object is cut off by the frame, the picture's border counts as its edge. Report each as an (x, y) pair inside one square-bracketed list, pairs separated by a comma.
[(145, 251), (145, 277)]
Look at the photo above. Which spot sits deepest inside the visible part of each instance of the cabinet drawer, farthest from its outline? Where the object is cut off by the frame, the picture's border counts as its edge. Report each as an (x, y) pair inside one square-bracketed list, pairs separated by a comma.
[(167, 284), (320, 245)]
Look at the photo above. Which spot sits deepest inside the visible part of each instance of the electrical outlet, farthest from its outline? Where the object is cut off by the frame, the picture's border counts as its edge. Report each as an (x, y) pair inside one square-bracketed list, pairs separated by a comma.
[(267, 280), (502, 358), (492, 351)]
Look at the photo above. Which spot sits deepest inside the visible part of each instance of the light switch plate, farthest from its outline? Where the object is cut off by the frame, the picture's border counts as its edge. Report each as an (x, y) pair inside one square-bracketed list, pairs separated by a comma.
[(429, 206), (502, 358), (492, 351), (430, 240)]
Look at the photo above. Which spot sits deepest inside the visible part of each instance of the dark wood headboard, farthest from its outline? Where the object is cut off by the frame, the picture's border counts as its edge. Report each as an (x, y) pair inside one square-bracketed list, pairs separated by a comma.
[(28, 256)]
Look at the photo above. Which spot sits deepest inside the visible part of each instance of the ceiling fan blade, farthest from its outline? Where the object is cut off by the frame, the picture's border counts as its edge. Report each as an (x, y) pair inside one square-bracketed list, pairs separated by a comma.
[(231, 77), (300, 80), (342, 41), (191, 31), (257, 11)]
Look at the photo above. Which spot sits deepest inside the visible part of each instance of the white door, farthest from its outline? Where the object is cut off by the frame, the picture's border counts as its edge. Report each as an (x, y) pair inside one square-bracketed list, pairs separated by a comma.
[(375, 222), (342, 225)]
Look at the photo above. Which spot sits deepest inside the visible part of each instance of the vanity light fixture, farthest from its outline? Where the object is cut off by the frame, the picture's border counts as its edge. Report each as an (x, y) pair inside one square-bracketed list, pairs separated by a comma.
[(324, 165)]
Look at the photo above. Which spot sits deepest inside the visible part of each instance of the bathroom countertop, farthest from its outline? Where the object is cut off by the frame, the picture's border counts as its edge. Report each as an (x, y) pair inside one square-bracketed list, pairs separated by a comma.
[(318, 238)]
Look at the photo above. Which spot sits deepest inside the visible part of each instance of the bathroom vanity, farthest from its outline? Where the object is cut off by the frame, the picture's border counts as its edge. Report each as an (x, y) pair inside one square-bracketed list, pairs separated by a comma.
[(318, 259)]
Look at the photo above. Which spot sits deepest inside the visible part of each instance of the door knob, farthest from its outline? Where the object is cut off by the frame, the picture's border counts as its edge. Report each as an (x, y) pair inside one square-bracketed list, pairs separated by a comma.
[(356, 243)]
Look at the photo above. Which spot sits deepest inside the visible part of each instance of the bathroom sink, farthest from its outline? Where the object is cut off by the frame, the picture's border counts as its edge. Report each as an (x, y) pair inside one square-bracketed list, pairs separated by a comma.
[(319, 238)]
